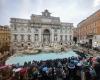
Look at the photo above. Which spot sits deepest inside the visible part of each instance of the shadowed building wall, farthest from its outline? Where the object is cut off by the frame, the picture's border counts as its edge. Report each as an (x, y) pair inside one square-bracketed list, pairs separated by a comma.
[(4, 38)]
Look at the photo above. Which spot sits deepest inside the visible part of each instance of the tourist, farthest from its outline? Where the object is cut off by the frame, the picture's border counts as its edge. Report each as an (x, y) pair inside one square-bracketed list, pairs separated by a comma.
[(92, 73), (71, 68), (97, 69), (58, 69), (65, 74)]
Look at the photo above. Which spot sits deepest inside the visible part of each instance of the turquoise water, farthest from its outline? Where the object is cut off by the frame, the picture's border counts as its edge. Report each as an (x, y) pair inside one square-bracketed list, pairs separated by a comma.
[(41, 56)]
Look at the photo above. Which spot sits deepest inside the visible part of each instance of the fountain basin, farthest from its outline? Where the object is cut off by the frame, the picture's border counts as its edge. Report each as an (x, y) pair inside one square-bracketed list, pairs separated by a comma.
[(38, 57)]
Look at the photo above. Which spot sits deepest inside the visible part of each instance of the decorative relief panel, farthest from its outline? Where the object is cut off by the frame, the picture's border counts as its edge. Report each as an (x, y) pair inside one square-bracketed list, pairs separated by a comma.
[(46, 20)]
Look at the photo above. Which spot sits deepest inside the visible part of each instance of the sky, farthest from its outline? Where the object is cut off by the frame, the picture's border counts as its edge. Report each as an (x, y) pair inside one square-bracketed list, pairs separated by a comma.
[(72, 11)]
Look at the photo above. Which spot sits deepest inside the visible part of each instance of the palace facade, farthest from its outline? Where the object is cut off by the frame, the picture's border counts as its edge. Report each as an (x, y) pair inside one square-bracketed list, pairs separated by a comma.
[(88, 30), (40, 30)]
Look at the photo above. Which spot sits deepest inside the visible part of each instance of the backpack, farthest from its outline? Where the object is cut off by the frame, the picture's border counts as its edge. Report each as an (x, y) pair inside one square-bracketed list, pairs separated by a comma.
[(92, 72)]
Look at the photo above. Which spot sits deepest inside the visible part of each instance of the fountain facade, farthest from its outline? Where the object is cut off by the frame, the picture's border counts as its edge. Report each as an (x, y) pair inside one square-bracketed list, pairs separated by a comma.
[(39, 31)]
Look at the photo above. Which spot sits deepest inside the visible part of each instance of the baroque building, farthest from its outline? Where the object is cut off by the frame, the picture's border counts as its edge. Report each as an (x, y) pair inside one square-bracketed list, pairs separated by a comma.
[(40, 30), (5, 37)]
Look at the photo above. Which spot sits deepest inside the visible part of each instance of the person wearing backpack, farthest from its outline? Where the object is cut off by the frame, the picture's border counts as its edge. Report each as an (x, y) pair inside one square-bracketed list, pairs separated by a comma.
[(92, 73)]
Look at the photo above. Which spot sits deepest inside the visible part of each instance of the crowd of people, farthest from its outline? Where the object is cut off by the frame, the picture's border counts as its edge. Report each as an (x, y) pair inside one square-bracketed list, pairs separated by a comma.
[(72, 68)]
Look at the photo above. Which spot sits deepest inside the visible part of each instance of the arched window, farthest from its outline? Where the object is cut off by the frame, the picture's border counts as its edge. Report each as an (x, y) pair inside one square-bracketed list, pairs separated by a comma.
[(46, 36)]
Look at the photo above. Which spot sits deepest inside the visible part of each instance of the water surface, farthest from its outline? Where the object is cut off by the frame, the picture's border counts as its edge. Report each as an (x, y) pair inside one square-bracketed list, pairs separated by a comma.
[(37, 57)]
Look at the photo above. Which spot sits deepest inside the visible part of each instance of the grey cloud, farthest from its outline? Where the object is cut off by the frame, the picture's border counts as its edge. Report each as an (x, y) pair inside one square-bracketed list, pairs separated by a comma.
[(69, 10)]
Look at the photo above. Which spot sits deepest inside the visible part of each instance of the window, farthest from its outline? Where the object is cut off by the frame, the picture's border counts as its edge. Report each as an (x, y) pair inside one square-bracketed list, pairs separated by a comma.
[(15, 36), (22, 37), (55, 30), (36, 30), (61, 30), (15, 28), (61, 37), (66, 30), (22, 45), (36, 37), (70, 37), (66, 37), (29, 30), (29, 37)]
